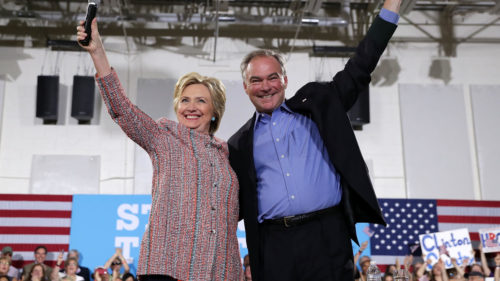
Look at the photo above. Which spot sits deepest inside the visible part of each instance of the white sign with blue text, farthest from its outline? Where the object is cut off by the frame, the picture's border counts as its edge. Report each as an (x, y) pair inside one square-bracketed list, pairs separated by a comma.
[(490, 240), (446, 245)]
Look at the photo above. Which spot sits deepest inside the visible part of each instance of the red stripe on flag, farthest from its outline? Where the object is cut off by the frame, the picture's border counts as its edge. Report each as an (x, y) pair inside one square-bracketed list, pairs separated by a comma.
[(34, 230), (36, 197), (35, 214), (468, 219), (468, 203), (21, 263), (31, 247), (474, 236)]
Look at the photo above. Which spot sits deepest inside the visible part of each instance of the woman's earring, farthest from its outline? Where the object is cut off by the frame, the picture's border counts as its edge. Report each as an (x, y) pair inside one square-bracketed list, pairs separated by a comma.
[(213, 118)]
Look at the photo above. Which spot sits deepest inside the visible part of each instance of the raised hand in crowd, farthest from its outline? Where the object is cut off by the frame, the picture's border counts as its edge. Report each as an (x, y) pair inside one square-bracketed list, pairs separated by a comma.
[(55, 271), (360, 251), (116, 261), (484, 262), (459, 268), (407, 261)]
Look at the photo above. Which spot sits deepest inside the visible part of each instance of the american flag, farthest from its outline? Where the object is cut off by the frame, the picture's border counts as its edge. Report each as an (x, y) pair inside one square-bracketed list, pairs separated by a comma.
[(29, 220), (408, 218)]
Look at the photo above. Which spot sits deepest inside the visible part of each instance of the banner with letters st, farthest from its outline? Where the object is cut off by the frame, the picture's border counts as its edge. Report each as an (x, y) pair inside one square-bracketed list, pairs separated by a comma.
[(102, 223)]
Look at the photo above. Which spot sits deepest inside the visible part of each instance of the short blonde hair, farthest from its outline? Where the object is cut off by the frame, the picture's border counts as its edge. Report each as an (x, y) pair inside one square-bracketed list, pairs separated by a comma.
[(217, 93)]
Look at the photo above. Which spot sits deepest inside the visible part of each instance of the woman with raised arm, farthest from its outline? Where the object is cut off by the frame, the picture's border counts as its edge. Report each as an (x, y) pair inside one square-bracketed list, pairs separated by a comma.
[(191, 233)]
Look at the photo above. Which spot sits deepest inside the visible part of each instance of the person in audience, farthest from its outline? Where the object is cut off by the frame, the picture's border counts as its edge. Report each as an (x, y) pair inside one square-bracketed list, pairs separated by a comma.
[(364, 263), (128, 277), (191, 233), (356, 258), (40, 256), (476, 276), (246, 268), (100, 274), (497, 267), (391, 268), (4, 268), (69, 273), (484, 263), (454, 274), (81, 270), (419, 270), (37, 272), (460, 269), (388, 277), (438, 272), (115, 263), (8, 253)]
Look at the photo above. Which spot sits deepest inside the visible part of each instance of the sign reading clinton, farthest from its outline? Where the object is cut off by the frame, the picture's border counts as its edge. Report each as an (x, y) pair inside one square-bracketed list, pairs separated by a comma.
[(490, 239), (446, 245)]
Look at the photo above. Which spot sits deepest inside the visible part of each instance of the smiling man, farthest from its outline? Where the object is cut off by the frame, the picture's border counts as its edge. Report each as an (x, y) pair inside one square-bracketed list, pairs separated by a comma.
[(303, 180), (40, 254)]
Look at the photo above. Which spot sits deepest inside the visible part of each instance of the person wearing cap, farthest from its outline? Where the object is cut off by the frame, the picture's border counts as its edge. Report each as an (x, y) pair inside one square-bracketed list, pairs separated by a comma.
[(40, 255), (8, 253), (100, 274)]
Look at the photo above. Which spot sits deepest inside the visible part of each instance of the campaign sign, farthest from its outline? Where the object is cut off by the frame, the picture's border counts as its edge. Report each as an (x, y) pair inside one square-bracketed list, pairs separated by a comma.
[(446, 245), (490, 239), (102, 223)]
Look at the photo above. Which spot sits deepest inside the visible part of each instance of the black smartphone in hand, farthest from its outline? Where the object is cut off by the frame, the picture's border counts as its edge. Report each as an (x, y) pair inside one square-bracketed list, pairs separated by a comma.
[(91, 13)]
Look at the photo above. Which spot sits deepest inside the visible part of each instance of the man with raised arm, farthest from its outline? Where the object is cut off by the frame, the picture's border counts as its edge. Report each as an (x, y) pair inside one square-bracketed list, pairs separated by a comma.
[(303, 180)]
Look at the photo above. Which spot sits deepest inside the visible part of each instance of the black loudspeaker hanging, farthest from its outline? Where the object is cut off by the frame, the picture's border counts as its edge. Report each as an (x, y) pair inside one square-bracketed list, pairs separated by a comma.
[(47, 97), (82, 104), (359, 114)]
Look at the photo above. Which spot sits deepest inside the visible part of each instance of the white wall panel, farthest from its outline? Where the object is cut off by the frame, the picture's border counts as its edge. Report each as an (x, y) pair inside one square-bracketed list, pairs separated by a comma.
[(435, 142), (486, 112)]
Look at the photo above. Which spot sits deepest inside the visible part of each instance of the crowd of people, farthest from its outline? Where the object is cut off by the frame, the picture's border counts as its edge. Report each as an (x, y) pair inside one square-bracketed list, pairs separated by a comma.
[(414, 267), (116, 268), (66, 268)]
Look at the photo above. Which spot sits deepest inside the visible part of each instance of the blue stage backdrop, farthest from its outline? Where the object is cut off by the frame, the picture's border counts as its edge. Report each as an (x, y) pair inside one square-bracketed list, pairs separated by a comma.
[(102, 223)]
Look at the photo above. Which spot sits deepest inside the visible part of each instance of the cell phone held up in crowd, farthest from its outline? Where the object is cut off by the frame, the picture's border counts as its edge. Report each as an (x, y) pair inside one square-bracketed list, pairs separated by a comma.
[(91, 13)]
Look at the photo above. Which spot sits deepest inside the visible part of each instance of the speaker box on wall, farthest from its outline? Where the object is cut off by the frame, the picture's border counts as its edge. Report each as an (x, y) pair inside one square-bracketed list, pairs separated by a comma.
[(47, 97), (359, 114), (82, 104)]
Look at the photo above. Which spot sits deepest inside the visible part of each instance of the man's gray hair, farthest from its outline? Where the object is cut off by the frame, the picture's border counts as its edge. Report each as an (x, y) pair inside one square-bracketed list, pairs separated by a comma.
[(261, 53)]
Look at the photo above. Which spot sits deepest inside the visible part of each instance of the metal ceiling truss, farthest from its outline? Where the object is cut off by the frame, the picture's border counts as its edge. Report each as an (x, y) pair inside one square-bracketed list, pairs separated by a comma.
[(32, 22)]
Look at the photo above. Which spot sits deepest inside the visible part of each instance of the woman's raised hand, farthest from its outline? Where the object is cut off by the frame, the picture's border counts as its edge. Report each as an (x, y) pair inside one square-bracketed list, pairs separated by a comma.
[(95, 48), (95, 43)]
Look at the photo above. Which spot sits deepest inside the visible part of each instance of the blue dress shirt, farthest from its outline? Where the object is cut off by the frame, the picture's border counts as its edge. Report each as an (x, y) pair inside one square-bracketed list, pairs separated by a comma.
[(294, 172)]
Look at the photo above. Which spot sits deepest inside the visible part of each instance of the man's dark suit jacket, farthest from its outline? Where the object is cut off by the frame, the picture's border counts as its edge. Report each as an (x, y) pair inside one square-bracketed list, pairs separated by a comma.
[(326, 104)]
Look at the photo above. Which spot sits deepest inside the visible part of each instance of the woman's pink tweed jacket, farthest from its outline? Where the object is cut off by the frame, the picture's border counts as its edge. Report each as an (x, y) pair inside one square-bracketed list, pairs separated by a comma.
[(191, 233)]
